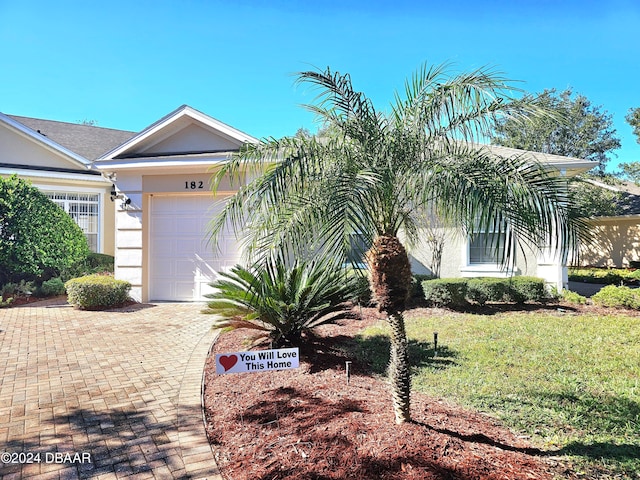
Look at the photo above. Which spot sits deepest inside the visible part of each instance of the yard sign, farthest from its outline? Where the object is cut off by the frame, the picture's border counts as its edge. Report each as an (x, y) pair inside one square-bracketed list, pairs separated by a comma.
[(257, 361)]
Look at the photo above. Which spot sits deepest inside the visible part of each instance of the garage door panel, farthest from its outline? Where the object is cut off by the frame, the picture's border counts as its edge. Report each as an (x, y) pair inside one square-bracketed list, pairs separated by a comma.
[(164, 269), (182, 260), (163, 249), (164, 226), (183, 245)]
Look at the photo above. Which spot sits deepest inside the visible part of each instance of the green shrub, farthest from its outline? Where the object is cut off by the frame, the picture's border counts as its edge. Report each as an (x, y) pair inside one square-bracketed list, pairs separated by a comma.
[(617, 297), (573, 297), (6, 303), (416, 284), (445, 292), (483, 290), (526, 289), (50, 288), (608, 276), (35, 234), (22, 288), (92, 263), (457, 292), (8, 289), (281, 303), (95, 291)]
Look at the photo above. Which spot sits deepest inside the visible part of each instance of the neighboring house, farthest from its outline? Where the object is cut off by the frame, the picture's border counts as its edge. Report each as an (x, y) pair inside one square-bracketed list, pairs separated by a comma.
[(56, 157), (616, 238), (163, 202), (478, 257)]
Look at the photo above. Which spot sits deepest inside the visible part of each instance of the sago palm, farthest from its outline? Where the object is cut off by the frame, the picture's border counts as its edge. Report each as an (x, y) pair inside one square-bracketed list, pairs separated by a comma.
[(375, 174), (282, 302)]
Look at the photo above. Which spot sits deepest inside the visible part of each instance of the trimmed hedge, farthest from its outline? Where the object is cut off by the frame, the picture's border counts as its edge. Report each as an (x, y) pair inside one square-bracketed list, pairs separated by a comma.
[(364, 296), (93, 292), (526, 289), (618, 297), (445, 292), (456, 292), (416, 284), (609, 276)]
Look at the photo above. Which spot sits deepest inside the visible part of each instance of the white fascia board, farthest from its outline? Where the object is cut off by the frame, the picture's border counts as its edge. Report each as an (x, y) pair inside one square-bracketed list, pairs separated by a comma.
[(575, 165), (147, 163), (182, 111), (616, 218), (220, 126), (75, 177), (45, 141), (107, 167)]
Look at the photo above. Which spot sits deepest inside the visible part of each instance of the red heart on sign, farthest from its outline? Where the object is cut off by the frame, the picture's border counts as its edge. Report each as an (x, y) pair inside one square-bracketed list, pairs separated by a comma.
[(228, 361)]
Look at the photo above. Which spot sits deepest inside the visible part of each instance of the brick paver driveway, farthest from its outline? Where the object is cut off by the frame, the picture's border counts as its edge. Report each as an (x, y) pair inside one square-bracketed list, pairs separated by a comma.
[(103, 394)]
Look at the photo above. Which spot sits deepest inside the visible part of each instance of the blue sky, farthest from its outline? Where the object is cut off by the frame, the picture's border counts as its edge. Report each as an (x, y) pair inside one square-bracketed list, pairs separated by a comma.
[(126, 64)]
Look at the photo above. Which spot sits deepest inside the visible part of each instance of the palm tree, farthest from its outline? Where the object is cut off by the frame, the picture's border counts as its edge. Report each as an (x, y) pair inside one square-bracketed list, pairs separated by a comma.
[(375, 174)]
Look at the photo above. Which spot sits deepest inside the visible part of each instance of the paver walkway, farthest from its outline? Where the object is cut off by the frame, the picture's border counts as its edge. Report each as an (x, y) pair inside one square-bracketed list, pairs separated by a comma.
[(104, 394)]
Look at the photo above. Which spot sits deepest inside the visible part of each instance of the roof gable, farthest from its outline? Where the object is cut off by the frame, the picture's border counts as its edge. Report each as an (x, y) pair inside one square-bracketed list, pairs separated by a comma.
[(184, 131)]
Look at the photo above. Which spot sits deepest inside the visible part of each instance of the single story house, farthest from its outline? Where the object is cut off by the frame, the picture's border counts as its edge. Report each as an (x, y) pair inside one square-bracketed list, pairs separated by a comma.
[(615, 238), (160, 177)]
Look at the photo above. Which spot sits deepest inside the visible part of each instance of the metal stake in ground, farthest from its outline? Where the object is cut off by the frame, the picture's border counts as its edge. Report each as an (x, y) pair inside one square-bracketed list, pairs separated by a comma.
[(435, 344)]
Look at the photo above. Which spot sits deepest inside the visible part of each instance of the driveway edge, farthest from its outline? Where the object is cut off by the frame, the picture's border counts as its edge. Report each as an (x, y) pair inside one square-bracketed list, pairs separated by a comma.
[(197, 454)]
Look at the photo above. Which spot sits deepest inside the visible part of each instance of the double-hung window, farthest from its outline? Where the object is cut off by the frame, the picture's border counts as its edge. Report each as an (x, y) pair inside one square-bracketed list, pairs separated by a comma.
[(486, 248), (485, 252), (84, 208)]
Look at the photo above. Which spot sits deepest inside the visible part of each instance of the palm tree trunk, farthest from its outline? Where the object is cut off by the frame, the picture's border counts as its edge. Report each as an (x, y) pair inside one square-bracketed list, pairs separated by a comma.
[(399, 371), (390, 282)]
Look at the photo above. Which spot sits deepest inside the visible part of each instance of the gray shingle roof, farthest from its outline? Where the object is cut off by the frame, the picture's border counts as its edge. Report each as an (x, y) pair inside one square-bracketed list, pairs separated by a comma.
[(86, 140), (629, 204)]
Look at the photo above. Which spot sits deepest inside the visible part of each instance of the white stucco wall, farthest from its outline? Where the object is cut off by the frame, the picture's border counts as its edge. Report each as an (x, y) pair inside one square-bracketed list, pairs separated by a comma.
[(129, 232), (528, 262)]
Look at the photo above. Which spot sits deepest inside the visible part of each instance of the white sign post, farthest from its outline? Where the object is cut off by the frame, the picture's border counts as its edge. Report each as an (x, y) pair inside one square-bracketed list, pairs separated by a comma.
[(257, 361)]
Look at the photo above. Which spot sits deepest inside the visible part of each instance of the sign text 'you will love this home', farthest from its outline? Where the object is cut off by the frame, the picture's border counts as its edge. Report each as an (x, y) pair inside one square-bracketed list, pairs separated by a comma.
[(257, 361)]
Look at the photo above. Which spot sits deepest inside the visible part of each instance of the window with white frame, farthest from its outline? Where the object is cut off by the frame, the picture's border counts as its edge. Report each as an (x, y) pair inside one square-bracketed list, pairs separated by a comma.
[(486, 248), (84, 208)]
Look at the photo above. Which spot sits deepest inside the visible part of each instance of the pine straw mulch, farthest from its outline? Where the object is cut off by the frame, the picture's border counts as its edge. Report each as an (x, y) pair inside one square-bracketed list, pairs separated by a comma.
[(310, 424)]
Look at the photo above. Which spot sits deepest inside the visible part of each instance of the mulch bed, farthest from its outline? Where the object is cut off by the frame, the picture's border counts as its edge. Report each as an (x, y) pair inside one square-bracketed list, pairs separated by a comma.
[(20, 299), (310, 424)]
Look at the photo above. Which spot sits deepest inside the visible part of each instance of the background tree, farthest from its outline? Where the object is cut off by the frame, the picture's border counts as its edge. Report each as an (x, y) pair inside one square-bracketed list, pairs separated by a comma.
[(633, 119), (373, 174), (577, 129), (36, 235), (631, 170), (594, 198)]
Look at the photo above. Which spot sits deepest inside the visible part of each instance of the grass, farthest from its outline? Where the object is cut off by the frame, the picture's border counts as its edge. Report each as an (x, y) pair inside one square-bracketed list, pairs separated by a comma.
[(571, 382)]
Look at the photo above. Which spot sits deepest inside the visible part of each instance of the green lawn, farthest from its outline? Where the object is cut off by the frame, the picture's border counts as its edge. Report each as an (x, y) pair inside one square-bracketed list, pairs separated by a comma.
[(570, 381)]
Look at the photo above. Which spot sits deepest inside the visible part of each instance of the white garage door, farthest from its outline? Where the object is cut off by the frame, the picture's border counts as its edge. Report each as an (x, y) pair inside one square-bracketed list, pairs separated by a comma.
[(182, 262)]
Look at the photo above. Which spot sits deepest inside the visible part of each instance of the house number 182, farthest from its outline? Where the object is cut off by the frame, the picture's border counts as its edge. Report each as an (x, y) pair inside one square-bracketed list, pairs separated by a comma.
[(193, 185)]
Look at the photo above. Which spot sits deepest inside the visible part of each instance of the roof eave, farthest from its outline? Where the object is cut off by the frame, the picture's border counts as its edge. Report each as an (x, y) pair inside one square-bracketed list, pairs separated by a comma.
[(47, 174)]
